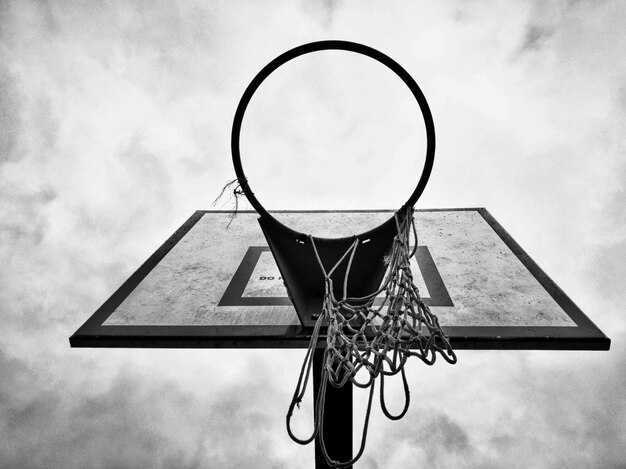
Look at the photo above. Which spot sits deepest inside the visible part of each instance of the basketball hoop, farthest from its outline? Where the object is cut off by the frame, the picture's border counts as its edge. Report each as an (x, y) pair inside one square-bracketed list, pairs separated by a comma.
[(316, 270), (321, 46)]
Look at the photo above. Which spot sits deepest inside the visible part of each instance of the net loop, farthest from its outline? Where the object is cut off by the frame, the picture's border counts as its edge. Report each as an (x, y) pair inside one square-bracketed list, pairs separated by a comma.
[(376, 340)]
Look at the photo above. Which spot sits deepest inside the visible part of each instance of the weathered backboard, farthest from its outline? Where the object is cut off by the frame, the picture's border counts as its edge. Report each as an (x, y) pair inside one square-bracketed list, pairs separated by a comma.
[(214, 284)]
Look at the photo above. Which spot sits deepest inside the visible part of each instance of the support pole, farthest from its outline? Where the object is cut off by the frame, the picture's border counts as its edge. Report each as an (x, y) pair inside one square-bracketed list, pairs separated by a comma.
[(337, 417)]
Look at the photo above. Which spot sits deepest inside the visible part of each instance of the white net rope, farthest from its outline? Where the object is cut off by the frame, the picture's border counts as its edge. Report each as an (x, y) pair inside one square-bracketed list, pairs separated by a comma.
[(375, 340)]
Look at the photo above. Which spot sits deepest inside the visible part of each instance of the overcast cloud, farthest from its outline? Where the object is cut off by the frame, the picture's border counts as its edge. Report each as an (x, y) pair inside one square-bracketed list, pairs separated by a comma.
[(115, 126)]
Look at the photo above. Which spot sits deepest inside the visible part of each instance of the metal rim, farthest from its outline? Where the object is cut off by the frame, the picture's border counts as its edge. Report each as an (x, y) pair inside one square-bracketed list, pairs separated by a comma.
[(332, 45)]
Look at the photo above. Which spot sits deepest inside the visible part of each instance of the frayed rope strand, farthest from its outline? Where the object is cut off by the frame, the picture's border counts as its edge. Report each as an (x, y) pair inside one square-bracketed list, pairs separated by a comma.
[(234, 189)]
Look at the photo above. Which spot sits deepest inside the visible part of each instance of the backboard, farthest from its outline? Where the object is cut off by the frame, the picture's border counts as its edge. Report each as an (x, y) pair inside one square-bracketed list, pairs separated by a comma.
[(214, 284)]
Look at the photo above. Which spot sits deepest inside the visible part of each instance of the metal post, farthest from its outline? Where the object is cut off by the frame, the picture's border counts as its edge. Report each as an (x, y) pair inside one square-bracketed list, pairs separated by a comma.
[(337, 418)]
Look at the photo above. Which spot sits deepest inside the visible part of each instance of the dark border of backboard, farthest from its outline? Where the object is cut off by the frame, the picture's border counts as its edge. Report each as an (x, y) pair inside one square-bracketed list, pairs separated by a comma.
[(584, 336)]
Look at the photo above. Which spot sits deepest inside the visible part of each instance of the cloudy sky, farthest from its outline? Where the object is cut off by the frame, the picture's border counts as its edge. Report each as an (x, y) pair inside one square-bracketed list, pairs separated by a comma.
[(115, 125)]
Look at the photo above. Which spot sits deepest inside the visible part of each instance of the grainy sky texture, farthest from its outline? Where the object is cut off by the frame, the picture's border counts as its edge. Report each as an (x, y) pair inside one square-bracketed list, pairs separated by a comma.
[(115, 124)]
